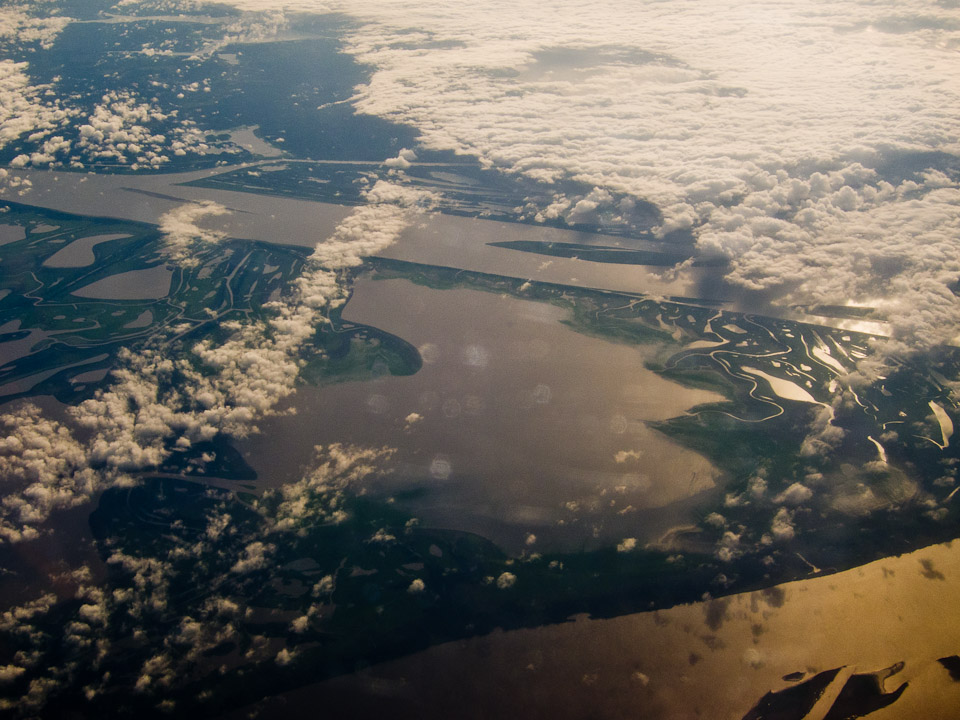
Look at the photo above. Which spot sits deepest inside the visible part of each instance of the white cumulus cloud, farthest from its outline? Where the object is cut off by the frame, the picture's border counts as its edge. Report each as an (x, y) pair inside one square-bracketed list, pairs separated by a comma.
[(760, 127)]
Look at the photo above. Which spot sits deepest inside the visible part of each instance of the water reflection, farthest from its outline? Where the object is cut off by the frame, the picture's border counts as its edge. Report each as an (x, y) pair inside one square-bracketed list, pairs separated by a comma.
[(846, 645), (519, 423)]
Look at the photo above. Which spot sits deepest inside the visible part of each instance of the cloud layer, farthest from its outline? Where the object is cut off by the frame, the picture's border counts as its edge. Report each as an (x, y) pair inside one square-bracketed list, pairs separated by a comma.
[(768, 129)]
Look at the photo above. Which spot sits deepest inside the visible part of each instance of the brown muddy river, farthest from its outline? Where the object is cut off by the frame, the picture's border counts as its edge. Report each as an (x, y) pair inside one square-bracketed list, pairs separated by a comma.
[(434, 238), (713, 660)]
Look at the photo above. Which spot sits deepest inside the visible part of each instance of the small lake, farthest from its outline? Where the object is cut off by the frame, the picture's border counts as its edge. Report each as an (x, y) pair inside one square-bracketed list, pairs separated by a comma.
[(79, 253), (147, 284)]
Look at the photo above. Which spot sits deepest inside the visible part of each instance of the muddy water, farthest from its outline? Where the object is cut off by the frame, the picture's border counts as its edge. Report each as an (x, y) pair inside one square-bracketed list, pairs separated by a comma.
[(515, 423), (711, 660), (436, 239), (462, 242), (79, 253), (147, 284), (11, 233)]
